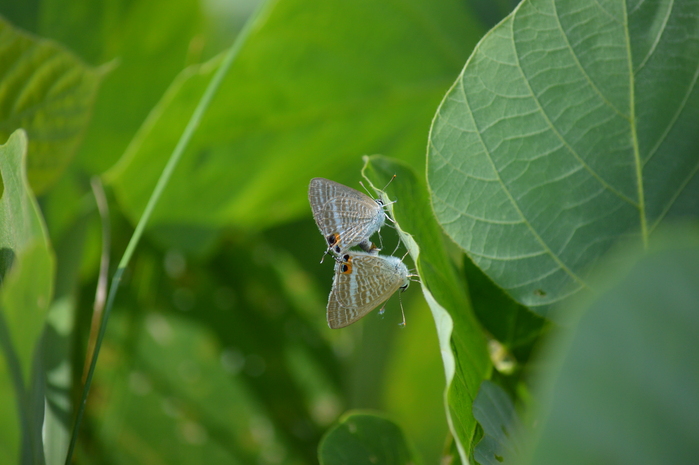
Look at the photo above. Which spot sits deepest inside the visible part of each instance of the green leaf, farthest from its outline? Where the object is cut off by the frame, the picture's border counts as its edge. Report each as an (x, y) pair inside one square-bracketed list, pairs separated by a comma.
[(624, 387), (496, 414), (143, 57), (26, 286), (412, 385), (511, 323), (57, 345), (147, 58), (572, 125), (10, 428), (172, 370), (461, 339), (317, 85), (27, 281), (49, 92), (362, 438)]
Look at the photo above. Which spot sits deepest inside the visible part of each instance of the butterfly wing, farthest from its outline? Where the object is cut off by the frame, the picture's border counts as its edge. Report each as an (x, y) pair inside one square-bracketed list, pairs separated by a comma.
[(345, 216), (321, 190), (353, 222), (361, 284)]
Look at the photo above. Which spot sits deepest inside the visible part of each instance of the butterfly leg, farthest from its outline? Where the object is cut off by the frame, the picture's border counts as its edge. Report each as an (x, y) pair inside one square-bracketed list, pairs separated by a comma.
[(397, 246), (400, 301), (368, 246)]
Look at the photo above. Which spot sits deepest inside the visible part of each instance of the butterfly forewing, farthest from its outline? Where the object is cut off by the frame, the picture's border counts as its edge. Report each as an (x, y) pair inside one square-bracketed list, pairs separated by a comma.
[(362, 283), (321, 191), (345, 216)]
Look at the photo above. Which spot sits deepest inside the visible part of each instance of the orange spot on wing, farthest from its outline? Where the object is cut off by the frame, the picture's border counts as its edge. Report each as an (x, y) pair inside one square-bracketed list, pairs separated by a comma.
[(346, 267)]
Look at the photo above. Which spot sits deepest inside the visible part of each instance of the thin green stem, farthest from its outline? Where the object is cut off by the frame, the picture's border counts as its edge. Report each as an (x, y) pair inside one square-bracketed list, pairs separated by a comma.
[(157, 192)]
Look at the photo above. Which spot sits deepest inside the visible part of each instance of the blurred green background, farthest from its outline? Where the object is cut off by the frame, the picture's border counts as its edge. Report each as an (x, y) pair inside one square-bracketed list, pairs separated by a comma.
[(217, 350)]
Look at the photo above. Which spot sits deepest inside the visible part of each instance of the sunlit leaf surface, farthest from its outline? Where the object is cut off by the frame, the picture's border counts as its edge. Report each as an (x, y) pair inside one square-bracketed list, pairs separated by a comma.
[(572, 125)]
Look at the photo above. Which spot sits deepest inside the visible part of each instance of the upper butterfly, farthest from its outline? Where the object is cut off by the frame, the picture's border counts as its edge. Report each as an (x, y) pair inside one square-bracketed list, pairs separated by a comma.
[(345, 216)]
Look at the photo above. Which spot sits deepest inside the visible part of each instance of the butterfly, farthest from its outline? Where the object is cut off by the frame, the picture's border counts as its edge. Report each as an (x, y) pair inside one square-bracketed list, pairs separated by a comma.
[(345, 216), (363, 281)]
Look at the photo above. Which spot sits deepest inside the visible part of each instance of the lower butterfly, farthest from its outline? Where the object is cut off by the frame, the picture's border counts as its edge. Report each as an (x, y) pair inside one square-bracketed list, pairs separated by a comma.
[(362, 282)]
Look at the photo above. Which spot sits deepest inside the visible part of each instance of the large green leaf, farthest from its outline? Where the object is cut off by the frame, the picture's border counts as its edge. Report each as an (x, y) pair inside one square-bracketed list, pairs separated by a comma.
[(27, 262), (143, 56), (496, 414), (317, 85), (49, 92), (26, 285), (572, 125), (365, 439), (147, 58), (461, 339), (624, 388)]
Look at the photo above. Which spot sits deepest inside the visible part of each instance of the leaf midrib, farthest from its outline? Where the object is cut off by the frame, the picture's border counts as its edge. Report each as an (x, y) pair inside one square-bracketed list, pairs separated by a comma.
[(634, 135)]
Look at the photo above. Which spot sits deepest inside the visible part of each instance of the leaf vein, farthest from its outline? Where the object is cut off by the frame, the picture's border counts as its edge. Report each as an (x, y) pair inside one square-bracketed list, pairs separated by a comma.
[(651, 50), (674, 198), (512, 200), (477, 218), (674, 119)]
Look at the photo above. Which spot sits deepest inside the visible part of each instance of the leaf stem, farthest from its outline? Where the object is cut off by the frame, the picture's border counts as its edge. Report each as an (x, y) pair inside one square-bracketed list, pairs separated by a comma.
[(102, 280)]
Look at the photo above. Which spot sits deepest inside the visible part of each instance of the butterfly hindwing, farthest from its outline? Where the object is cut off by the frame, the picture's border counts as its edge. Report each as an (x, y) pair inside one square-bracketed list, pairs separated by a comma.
[(362, 282)]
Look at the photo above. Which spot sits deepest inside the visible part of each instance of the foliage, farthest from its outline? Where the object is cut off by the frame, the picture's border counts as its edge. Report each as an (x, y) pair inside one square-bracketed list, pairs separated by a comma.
[(545, 206), (585, 137), (364, 438)]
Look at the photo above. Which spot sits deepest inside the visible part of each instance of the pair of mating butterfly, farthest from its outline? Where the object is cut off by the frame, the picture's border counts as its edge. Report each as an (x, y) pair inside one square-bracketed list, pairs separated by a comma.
[(363, 280)]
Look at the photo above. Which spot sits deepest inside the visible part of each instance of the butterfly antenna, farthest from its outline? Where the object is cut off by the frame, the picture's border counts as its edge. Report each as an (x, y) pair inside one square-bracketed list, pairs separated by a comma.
[(384, 187), (364, 187), (384, 190), (389, 182)]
